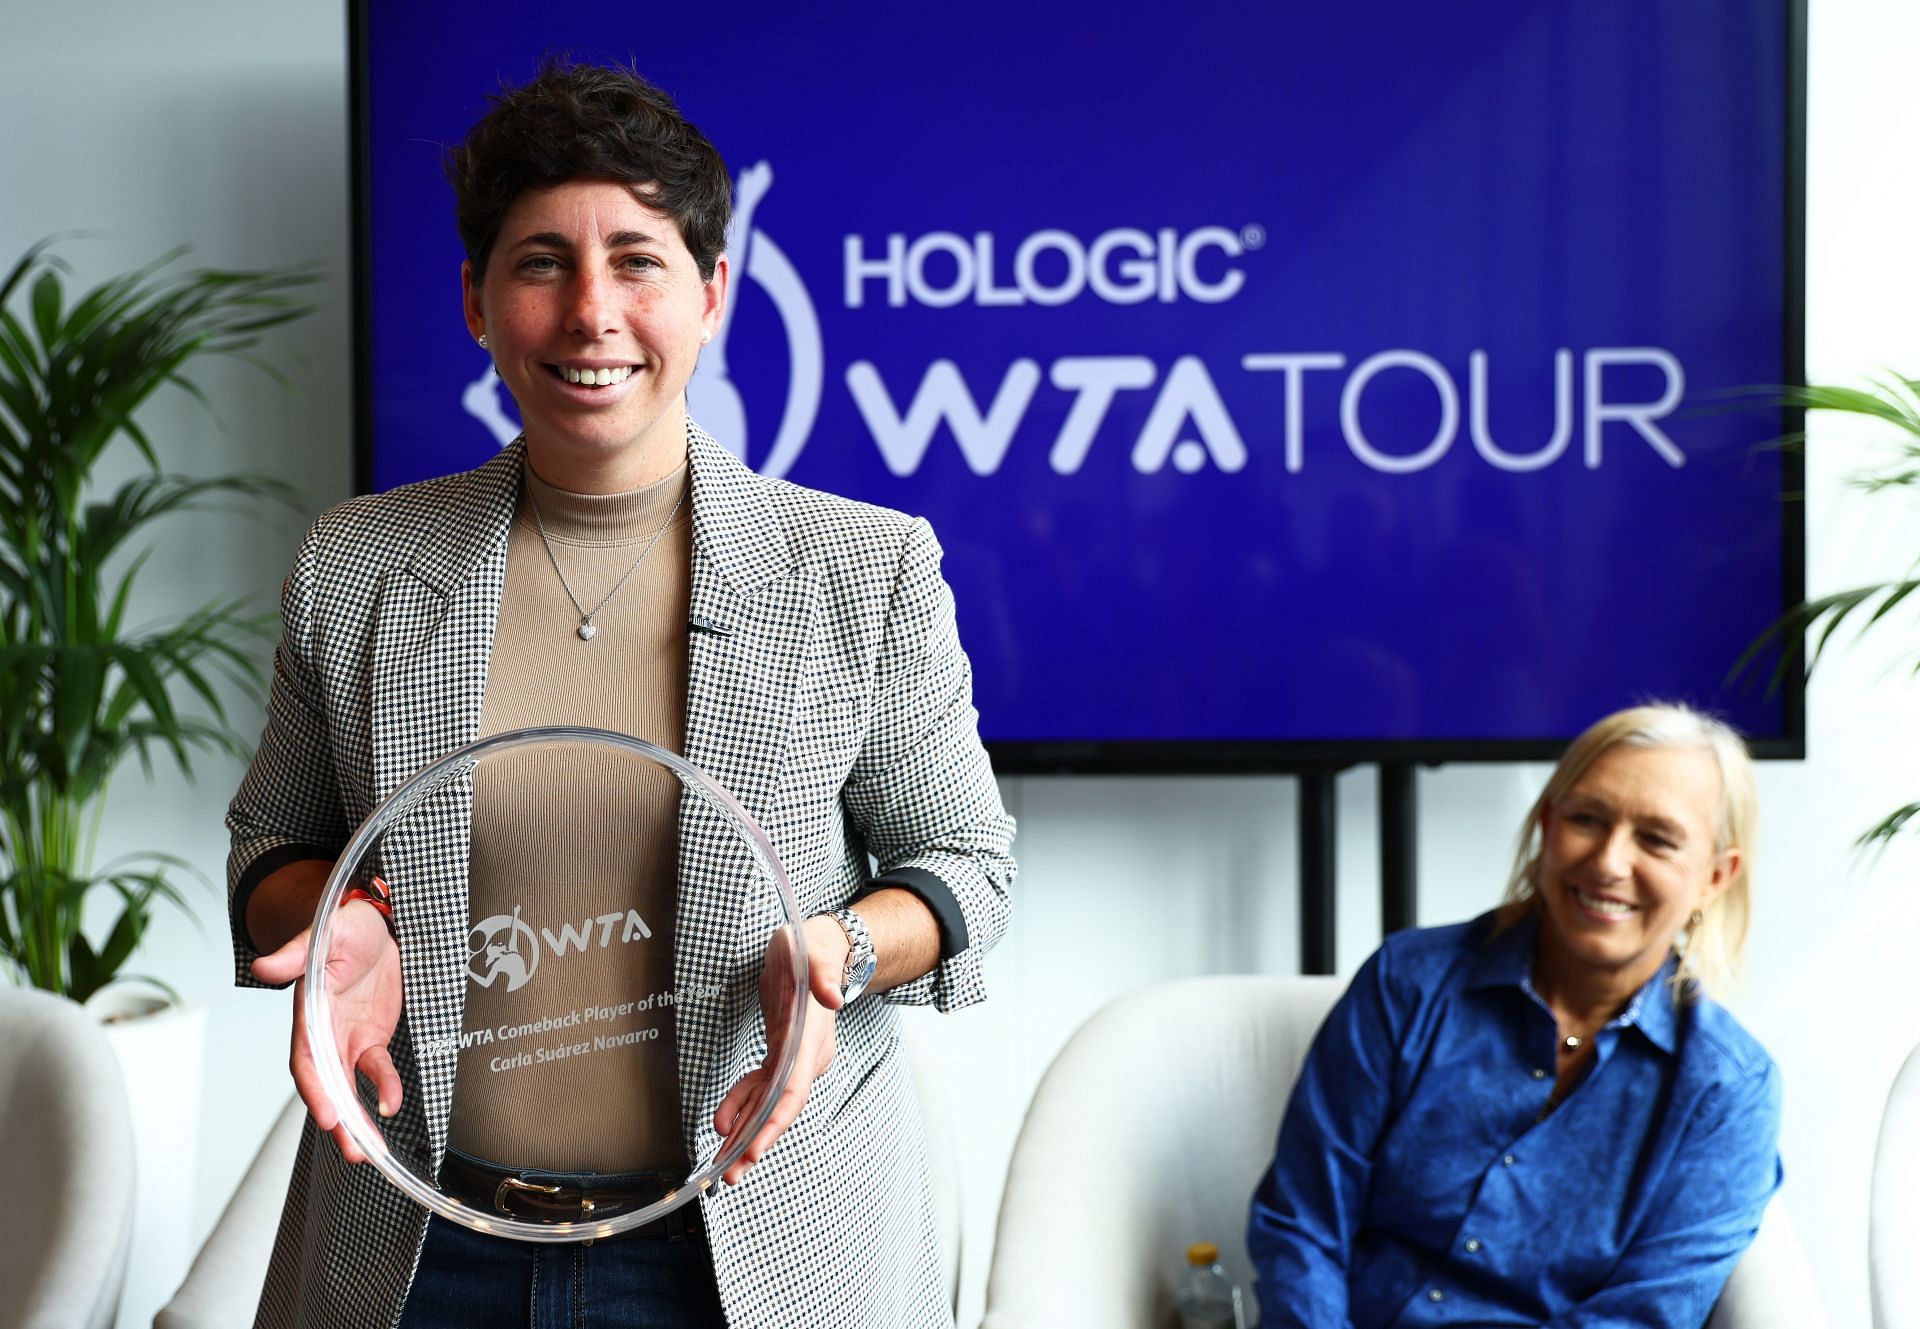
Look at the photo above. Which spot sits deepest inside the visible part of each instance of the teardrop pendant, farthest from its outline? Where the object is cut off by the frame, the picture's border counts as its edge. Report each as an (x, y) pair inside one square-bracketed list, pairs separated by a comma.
[(586, 629)]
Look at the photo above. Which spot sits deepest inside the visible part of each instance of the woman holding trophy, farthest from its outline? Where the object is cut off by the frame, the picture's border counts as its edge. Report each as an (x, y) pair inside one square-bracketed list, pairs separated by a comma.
[(552, 990)]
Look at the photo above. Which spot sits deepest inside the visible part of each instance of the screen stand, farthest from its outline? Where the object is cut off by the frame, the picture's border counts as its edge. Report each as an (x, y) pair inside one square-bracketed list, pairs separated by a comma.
[(1318, 818), (1399, 833), (1319, 823)]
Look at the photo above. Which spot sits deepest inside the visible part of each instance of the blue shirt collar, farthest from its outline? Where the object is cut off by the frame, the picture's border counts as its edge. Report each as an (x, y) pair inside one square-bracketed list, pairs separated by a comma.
[(1506, 960)]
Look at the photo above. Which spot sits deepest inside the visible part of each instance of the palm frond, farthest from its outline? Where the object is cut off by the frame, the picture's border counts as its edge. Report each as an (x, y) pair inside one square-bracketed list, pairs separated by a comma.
[(1889, 826), (82, 692), (1809, 628), (1811, 625)]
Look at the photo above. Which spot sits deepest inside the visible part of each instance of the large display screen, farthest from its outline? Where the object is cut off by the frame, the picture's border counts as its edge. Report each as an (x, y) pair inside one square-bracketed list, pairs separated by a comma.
[(1285, 382)]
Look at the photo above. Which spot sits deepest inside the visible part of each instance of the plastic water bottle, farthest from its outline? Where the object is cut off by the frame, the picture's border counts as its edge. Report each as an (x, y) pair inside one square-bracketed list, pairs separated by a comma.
[(1208, 1299)]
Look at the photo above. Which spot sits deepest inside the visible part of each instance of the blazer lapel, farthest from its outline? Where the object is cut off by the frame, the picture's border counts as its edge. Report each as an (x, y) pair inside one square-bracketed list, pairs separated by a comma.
[(752, 620), (432, 636)]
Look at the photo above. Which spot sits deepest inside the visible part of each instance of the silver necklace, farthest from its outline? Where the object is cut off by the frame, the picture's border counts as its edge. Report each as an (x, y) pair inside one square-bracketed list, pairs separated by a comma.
[(586, 631)]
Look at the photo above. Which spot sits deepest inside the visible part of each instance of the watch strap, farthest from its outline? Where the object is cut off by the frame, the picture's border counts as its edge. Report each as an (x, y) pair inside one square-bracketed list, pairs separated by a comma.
[(861, 959), (374, 892)]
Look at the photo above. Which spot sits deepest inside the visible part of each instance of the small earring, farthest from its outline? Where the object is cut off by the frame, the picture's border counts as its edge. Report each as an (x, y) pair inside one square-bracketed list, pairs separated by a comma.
[(483, 341), (705, 337), (1697, 919)]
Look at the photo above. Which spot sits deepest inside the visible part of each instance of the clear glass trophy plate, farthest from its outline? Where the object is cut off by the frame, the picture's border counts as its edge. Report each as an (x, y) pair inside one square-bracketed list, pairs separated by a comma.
[(553, 999)]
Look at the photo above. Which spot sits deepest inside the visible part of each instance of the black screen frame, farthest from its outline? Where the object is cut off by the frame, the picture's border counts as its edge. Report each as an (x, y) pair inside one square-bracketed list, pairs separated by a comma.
[(1253, 756)]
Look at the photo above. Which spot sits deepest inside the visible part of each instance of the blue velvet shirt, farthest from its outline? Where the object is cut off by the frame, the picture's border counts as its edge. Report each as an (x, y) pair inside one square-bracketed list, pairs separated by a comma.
[(1416, 1181)]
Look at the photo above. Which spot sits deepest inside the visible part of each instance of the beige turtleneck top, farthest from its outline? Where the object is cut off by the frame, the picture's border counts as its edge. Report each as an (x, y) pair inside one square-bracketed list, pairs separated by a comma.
[(575, 851)]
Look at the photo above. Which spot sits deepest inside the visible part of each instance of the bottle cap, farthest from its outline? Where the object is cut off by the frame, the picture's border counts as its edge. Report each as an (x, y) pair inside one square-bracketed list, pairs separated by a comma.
[(1203, 1253)]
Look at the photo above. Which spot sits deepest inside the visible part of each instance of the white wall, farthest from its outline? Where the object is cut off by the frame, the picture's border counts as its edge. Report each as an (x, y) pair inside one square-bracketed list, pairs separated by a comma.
[(222, 126), (227, 131)]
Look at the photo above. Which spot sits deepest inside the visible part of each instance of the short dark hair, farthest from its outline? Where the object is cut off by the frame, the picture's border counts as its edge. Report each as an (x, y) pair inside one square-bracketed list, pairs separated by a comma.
[(576, 121)]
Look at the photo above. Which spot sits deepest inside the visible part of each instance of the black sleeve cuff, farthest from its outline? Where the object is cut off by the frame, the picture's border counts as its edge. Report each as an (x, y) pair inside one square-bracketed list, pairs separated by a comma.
[(265, 866), (936, 895)]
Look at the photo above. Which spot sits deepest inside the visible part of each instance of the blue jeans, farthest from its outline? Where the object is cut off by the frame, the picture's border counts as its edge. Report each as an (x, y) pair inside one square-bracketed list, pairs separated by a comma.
[(658, 1278)]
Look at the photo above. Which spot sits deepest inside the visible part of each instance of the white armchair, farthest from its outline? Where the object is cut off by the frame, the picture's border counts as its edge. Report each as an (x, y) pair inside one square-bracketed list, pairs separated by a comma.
[(223, 1286), (222, 1289), (1893, 1235), (1772, 1287), (66, 1148), (1149, 1132)]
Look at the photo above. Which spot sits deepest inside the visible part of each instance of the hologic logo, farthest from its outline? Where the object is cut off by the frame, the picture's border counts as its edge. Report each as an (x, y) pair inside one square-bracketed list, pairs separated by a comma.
[(1123, 266), (1190, 425), (712, 397), (506, 946)]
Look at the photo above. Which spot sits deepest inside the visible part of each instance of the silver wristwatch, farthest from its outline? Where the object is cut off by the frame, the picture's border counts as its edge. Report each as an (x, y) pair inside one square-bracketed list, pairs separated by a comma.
[(861, 961)]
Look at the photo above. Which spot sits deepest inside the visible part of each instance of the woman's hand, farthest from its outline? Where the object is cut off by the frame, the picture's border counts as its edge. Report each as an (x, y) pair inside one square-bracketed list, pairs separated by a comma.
[(827, 949), (363, 979)]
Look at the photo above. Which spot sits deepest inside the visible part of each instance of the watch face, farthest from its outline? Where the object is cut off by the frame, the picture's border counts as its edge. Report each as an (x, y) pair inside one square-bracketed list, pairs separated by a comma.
[(859, 974)]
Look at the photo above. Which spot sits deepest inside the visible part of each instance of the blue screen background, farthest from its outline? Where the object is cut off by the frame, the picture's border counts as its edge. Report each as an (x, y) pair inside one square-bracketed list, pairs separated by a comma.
[(1510, 177)]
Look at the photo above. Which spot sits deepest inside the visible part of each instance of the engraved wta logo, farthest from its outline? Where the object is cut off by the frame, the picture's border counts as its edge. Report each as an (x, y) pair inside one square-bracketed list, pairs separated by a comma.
[(501, 945), (713, 399)]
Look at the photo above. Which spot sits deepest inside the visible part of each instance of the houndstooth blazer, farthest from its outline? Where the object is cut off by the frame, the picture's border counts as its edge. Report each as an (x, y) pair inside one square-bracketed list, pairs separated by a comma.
[(827, 691)]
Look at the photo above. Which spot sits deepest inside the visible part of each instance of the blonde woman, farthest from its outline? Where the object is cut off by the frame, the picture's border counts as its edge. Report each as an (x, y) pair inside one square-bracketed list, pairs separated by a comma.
[(1542, 1117)]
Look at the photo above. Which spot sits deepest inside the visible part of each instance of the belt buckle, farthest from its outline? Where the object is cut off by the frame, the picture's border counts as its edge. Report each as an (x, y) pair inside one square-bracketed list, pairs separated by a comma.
[(516, 1184)]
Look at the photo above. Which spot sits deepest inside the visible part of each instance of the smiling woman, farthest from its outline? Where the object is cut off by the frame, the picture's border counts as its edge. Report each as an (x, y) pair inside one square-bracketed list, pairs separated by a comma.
[(617, 567), (594, 311), (1542, 1113), (1653, 809)]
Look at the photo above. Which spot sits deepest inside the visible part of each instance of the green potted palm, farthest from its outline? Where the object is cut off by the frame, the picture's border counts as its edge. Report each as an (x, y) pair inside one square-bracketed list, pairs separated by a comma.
[(1809, 628), (85, 685)]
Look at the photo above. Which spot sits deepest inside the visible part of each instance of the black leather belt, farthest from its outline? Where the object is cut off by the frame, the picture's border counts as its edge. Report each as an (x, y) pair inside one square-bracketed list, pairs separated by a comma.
[(543, 1197)]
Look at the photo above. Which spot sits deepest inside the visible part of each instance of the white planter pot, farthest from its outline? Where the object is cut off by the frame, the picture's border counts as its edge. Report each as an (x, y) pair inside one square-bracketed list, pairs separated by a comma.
[(162, 1052)]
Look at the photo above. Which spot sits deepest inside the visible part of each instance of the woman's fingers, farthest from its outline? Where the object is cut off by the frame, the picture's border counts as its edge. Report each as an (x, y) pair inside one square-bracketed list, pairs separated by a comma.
[(739, 1102), (745, 1100), (738, 1168), (786, 1110), (376, 1063), (741, 1105), (285, 964), (824, 983), (306, 1080), (372, 1061), (319, 1104), (361, 1046), (348, 1149)]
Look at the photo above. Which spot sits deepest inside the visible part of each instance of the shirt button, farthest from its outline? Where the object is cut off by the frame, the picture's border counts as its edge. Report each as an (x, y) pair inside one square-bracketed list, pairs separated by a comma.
[(1473, 1245), (1507, 1161), (1436, 1295), (1539, 1074)]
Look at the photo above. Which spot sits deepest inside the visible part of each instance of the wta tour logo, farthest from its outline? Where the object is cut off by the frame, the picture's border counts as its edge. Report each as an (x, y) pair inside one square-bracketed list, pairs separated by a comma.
[(713, 398), (507, 946), (1188, 425), (502, 946)]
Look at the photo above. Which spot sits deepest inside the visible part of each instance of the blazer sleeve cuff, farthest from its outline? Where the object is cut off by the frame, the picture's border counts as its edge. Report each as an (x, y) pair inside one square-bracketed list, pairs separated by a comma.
[(938, 898), (269, 862)]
